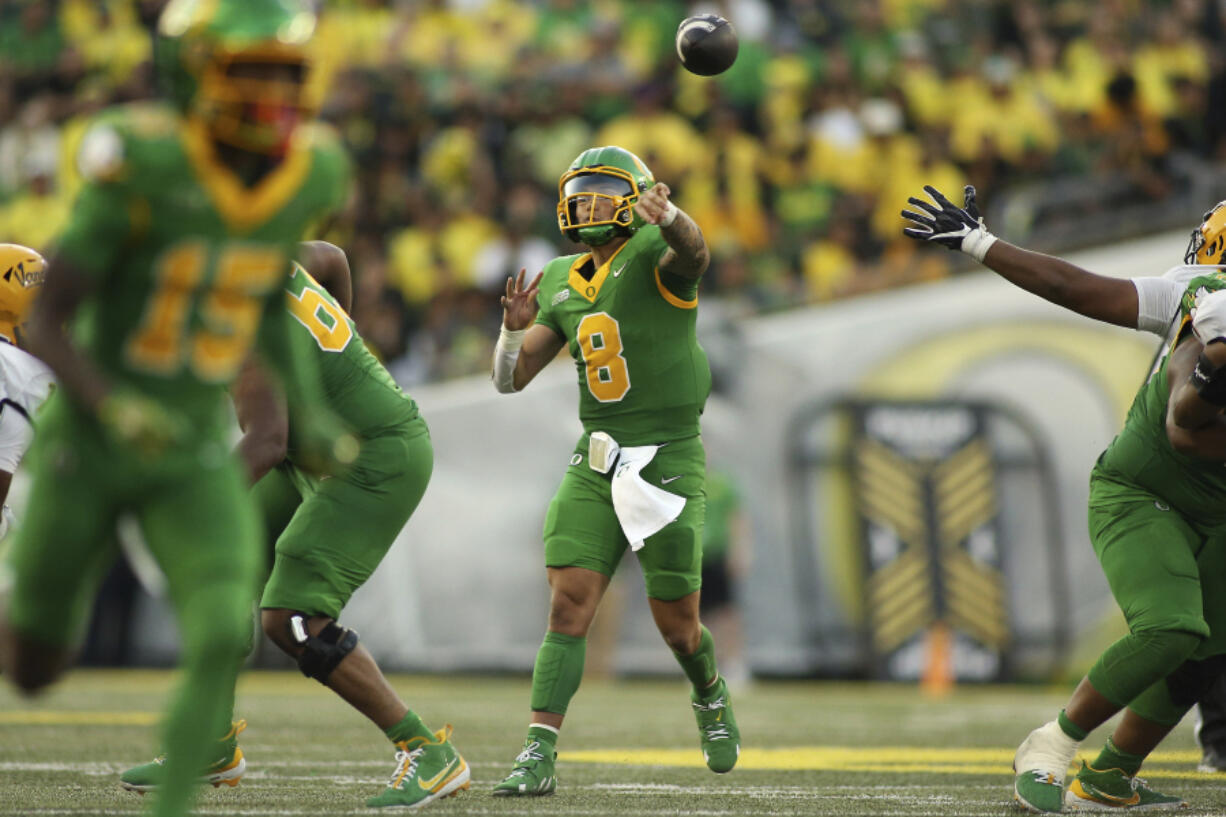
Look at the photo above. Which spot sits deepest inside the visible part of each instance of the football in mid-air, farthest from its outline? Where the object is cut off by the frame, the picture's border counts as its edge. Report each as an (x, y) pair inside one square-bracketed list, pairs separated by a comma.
[(706, 44)]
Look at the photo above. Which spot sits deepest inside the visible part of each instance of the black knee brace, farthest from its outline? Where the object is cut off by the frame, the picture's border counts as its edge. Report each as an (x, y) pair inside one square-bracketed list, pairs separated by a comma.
[(1192, 679), (324, 652)]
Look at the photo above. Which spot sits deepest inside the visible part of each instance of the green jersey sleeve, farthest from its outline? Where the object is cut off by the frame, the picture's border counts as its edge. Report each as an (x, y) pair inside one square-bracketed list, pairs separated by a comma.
[(105, 209), (553, 283)]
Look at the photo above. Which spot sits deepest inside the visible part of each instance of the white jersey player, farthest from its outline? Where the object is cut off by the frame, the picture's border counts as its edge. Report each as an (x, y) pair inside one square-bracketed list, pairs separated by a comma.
[(25, 381)]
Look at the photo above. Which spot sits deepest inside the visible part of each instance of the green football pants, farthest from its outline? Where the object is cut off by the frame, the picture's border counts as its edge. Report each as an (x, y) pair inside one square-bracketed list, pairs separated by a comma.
[(343, 526), (581, 529), (199, 523)]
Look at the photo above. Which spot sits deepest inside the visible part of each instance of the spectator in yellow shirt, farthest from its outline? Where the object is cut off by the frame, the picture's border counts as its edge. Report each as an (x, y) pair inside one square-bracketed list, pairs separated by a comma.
[(830, 265), (108, 36), (651, 129), (1172, 53), (35, 216), (723, 191)]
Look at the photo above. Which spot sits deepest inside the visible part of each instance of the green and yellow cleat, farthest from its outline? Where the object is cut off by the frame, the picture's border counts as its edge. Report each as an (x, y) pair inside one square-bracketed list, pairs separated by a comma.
[(1038, 791), (426, 770), (227, 769), (533, 774), (717, 731), (1039, 767), (1113, 790)]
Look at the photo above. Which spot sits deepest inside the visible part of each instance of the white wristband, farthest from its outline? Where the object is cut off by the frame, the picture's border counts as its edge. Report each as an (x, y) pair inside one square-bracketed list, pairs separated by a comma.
[(670, 215), (512, 340), (976, 243), (506, 352)]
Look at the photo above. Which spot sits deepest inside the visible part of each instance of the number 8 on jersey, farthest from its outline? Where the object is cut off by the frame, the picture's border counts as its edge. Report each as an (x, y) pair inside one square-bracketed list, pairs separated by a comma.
[(600, 340)]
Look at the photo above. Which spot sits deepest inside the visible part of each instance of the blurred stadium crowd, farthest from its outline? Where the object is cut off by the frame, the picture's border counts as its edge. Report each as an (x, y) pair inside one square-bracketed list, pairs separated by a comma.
[(461, 115)]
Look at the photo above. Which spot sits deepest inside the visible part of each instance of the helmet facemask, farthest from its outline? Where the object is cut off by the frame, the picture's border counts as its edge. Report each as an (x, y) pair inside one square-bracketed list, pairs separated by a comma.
[(596, 204), (238, 67), (254, 99), (1207, 245)]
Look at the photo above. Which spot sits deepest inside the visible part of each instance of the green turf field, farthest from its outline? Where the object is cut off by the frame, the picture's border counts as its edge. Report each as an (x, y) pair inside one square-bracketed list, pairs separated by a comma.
[(630, 748)]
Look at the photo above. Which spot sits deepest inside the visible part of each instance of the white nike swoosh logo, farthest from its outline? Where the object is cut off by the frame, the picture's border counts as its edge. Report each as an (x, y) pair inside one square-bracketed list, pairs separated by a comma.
[(667, 480), (618, 271)]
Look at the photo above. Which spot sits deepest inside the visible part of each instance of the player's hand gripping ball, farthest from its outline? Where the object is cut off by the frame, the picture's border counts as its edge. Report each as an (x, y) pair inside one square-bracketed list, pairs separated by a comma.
[(706, 44)]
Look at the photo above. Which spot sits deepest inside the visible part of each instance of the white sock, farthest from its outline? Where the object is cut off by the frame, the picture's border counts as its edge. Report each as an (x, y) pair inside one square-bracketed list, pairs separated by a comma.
[(1048, 749), (1060, 740)]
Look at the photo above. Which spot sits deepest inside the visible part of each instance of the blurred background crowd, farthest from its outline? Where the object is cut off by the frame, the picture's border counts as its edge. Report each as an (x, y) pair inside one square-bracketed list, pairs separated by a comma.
[(461, 114)]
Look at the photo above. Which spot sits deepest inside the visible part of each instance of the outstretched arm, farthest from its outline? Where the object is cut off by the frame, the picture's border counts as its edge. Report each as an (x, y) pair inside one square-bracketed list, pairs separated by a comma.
[(1111, 300), (687, 254)]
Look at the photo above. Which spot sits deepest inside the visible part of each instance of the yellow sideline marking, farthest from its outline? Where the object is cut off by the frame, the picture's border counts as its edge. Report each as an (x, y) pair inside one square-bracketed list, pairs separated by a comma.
[(49, 718), (889, 759)]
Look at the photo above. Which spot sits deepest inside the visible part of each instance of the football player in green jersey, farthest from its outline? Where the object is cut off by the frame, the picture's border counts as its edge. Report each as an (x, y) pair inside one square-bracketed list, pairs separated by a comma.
[(170, 269), (321, 556), (1156, 512), (625, 309)]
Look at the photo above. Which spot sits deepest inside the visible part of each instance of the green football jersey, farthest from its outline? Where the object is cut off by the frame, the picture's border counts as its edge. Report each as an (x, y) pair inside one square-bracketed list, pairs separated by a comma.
[(185, 260), (356, 386), (643, 377), (1143, 454)]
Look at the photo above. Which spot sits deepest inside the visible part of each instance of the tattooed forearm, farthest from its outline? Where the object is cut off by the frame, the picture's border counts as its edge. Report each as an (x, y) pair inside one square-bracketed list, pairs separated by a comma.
[(687, 253)]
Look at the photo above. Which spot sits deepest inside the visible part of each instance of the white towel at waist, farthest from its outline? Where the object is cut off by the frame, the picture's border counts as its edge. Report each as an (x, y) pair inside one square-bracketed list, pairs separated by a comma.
[(641, 508)]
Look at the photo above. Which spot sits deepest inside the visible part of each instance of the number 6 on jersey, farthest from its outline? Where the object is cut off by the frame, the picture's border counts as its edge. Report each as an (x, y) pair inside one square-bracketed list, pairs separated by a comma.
[(325, 320)]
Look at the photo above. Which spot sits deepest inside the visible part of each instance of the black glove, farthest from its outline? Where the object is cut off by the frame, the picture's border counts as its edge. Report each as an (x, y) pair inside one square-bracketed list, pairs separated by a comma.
[(957, 228)]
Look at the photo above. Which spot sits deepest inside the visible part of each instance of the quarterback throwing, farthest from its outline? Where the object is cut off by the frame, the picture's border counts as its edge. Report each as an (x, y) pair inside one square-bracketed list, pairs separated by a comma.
[(625, 309)]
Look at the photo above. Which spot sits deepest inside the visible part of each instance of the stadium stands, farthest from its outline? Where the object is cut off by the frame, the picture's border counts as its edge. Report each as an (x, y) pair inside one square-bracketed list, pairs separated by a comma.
[(461, 114)]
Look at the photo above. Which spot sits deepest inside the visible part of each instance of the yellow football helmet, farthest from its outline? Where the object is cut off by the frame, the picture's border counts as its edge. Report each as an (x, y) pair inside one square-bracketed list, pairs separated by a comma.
[(1208, 242), (21, 274)]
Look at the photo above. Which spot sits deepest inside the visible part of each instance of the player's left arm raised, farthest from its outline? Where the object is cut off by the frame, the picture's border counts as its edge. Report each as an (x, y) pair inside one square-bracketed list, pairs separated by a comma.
[(687, 254)]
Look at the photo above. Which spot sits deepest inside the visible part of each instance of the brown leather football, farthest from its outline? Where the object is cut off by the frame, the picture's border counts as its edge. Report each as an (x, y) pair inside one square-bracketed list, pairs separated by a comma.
[(706, 44)]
